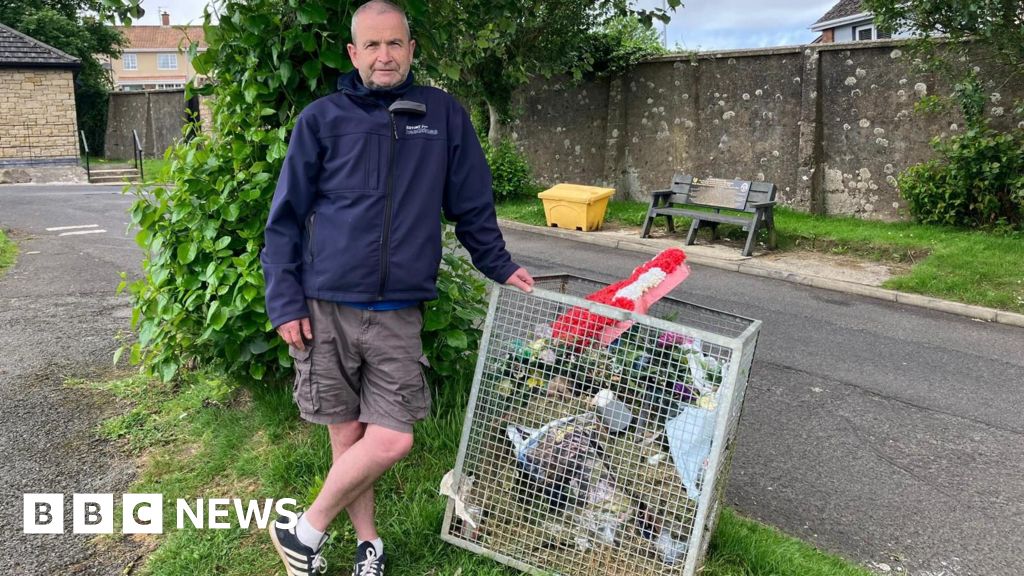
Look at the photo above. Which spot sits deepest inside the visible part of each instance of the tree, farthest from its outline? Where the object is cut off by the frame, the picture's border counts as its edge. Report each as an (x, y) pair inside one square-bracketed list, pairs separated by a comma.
[(76, 27), (998, 25), (491, 48)]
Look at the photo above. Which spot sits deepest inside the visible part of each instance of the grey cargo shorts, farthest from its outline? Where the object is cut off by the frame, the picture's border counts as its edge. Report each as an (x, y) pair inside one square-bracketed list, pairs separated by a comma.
[(363, 365)]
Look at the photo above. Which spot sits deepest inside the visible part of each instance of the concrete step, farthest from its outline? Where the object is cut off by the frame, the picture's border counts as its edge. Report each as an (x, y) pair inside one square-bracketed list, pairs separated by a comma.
[(113, 179), (115, 172)]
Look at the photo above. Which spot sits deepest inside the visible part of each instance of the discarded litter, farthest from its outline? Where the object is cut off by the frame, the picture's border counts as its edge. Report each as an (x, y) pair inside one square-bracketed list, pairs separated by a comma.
[(590, 444)]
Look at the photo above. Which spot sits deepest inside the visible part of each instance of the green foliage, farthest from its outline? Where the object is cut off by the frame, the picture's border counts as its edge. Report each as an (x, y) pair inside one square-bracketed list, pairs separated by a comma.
[(61, 24), (486, 49), (978, 178), (977, 181), (622, 42), (510, 172), (200, 301), (996, 24), (451, 323)]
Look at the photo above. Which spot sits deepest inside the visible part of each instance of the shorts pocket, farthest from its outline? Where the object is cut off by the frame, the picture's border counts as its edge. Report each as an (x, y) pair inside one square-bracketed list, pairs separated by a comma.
[(302, 388), (424, 365)]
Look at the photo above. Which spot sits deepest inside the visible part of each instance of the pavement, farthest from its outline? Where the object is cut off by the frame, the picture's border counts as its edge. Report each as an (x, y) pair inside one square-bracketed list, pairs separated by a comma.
[(886, 429)]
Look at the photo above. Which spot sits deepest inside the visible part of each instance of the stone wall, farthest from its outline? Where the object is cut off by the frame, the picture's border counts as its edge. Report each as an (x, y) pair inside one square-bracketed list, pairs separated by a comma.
[(37, 118), (830, 125)]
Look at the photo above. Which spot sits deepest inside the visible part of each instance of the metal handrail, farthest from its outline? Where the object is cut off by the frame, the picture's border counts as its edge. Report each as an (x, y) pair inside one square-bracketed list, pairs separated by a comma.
[(85, 146), (138, 154)]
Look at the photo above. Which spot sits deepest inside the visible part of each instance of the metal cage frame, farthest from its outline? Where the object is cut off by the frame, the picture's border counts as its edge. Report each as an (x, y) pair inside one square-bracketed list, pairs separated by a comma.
[(736, 334)]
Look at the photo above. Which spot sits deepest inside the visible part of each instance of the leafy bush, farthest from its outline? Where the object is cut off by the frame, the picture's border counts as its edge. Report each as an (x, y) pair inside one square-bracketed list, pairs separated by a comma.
[(509, 170), (200, 301), (978, 178), (977, 181), (451, 324), (621, 43)]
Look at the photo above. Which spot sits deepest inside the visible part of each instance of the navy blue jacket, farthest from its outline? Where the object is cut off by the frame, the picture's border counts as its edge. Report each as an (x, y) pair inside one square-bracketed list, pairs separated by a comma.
[(356, 215)]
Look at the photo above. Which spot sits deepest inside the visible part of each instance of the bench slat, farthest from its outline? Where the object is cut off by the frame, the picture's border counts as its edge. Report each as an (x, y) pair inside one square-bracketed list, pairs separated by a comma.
[(724, 218)]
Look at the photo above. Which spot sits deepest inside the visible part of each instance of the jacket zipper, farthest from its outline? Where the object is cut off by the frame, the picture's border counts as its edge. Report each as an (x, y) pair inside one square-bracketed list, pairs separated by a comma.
[(385, 235), (311, 234)]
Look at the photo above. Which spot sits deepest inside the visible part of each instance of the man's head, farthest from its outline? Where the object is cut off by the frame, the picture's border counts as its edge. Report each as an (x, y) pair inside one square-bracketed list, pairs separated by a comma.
[(381, 47)]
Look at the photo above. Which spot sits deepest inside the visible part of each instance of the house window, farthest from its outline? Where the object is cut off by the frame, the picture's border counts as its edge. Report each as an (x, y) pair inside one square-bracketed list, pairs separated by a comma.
[(169, 86), (869, 32), (129, 62), (167, 61)]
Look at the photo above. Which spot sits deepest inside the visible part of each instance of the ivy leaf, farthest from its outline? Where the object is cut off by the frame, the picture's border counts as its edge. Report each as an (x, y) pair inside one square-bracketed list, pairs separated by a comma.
[(287, 72), (187, 252), (311, 69), (332, 58), (312, 13), (457, 339)]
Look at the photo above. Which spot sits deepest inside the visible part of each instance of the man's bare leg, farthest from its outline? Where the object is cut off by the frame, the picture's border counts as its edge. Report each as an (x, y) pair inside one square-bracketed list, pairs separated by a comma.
[(355, 471), (360, 511)]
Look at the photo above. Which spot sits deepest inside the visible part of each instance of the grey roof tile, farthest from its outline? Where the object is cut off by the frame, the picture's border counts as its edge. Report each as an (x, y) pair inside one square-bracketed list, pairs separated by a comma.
[(19, 50), (842, 9)]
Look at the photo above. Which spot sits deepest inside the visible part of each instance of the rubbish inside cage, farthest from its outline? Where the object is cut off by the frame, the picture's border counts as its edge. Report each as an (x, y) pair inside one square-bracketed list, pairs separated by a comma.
[(597, 440)]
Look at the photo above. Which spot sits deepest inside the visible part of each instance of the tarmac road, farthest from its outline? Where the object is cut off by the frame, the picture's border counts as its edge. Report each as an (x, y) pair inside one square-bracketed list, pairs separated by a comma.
[(886, 433), (60, 316)]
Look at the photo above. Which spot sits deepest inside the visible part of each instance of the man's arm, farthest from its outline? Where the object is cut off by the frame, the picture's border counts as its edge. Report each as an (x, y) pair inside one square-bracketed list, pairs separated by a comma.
[(469, 202), (282, 251)]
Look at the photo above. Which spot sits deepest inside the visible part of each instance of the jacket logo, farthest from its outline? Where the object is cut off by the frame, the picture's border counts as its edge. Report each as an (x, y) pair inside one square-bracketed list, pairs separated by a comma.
[(420, 129)]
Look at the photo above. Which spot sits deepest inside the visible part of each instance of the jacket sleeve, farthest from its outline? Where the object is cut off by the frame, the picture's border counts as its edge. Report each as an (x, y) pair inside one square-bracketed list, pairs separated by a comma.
[(293, 201), (469, 201)]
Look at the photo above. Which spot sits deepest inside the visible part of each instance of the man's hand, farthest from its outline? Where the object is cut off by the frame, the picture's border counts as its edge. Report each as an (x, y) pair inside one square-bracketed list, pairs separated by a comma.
[(521, 279), (293, 332)]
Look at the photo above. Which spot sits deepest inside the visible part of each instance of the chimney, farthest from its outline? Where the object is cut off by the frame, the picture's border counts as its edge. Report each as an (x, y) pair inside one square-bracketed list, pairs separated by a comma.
[(165, 18)]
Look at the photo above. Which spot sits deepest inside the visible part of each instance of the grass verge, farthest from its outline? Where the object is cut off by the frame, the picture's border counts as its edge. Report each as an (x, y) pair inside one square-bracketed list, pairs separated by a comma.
[(154, 169), (968, 266), (198, 439), (8, 252)]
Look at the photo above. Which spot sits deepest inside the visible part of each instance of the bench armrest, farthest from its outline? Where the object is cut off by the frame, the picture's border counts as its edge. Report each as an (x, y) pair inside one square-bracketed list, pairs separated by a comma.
[(661, 193), (762, 204)]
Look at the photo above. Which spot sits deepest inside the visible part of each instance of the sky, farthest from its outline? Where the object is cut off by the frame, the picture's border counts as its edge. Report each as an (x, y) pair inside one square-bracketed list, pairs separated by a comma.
[(699, 25)]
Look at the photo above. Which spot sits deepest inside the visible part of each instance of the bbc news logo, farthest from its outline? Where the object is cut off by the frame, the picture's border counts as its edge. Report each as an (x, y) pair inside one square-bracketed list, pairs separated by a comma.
[(144, 513)]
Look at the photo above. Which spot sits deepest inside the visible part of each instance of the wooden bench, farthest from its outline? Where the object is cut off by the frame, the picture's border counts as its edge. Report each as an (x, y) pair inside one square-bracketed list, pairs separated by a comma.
[(749, 204)]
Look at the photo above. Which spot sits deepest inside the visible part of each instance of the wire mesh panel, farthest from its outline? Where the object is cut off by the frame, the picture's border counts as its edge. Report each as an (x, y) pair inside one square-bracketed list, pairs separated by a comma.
[(588, 456)]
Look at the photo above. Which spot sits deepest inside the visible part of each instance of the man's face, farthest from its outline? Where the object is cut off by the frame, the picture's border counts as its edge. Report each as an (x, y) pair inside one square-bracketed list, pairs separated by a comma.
[(382, 50)]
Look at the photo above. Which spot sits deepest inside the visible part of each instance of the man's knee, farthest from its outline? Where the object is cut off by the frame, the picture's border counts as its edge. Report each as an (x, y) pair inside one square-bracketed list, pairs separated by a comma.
[(390, 444)]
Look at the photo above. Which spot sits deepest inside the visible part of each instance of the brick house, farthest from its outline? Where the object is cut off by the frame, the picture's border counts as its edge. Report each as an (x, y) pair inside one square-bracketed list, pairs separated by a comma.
[(849, 21), (155, 57), (37, 103)]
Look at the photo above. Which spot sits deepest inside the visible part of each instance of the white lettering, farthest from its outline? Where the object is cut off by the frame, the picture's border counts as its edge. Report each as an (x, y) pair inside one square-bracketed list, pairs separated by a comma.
[(291, 518), (92, 513), (195, 517), (142, 514), (217, 508), (262, 515)]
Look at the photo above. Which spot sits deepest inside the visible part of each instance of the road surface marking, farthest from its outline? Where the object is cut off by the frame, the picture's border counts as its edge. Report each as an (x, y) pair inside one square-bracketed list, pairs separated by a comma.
[(59, 228), (81, 232)]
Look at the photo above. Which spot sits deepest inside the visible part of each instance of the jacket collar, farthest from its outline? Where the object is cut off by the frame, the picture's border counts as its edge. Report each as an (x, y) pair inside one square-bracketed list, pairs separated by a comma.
[(352, 84)]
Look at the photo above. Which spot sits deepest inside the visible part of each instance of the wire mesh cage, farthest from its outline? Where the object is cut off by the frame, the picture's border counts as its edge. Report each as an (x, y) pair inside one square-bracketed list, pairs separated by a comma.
[(582, 457)]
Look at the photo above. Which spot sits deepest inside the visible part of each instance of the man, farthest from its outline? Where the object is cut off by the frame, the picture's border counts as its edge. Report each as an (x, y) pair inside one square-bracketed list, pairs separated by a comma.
[(353, 245)]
